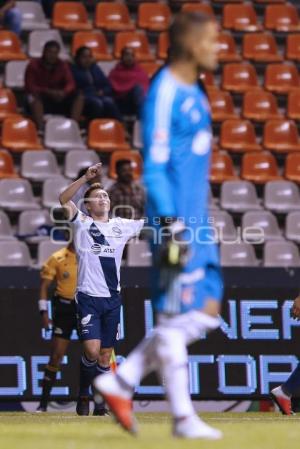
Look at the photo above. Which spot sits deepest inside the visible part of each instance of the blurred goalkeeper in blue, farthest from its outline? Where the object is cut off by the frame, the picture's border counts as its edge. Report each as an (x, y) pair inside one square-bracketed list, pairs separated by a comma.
[(186, 274)]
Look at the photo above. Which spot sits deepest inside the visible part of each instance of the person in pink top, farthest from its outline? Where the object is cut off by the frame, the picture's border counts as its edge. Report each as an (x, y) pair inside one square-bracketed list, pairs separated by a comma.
[(129, 82)]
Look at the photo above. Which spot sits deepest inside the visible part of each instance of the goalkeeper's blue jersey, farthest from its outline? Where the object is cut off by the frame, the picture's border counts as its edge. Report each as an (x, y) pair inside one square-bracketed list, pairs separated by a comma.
[(177, 149)]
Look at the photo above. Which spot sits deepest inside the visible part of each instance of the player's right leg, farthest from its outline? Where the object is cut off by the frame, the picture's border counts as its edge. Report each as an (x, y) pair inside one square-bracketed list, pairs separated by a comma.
[(282, 395)]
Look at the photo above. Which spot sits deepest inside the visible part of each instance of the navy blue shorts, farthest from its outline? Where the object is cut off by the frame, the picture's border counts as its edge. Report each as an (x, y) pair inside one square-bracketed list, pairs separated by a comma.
[(98, 318)]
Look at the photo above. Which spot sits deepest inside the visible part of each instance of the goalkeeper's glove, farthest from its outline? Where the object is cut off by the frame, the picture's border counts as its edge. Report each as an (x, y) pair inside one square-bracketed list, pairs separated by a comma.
[(173, 251)]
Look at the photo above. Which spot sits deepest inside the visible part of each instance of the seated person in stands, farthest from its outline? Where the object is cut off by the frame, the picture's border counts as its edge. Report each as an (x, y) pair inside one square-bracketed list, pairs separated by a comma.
[(10, 16), (95, 87), (127, 197), (129, 82), (50, 86)]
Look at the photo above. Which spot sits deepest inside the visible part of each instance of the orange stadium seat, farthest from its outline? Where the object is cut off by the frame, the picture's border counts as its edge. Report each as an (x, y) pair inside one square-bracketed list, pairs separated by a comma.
[(7, 169), (293, 105), (227, 49), (204, 8), (293, 47), (95, 40), (10, 47), (241, 17), (107, 135), (282, 17), (260, 105), (136, 40), (154, 16), (221, 168), (281, 78), (221, 104), (163, 45), (133, 156), (239, 77), (281, 136), (8, 104), (20, 134), (113, 17), (260, 167), (150, 67), (269, 1), (208, 79), (238, 136), (70, 16), (260, 47), (292, 167)]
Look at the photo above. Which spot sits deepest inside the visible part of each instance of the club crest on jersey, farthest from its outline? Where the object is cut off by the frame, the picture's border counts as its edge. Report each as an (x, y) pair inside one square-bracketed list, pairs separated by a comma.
[(117, 231)]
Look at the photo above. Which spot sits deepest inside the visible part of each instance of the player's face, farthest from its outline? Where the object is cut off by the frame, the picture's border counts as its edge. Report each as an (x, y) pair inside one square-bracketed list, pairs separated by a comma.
[(205, 46), (99, 203)]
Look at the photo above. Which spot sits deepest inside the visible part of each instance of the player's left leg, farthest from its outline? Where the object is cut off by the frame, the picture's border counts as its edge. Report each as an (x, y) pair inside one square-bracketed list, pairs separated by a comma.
[(282, 395)]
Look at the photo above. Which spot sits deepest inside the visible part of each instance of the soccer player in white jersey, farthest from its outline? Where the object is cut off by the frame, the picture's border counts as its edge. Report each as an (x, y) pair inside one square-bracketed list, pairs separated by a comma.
[(187, 280), (99, 242)]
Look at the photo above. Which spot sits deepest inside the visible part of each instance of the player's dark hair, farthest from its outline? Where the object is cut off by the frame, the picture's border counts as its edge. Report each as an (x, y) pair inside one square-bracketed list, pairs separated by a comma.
[(51, 44), (95, 186), (180, 26), (120, 163)]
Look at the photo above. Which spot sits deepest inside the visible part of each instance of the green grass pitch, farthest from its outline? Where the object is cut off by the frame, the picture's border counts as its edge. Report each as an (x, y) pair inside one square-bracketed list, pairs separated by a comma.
[(67, 431)]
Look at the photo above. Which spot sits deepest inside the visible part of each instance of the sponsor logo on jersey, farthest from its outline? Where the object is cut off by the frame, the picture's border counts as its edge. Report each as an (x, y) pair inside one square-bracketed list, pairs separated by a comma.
[(97, 249), (86, 319), (201, 143)]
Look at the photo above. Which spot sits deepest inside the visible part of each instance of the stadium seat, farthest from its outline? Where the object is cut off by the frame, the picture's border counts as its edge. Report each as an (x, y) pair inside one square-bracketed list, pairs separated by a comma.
[(150, 67), (52, 188), (281, 196), (281, 78), (39, 165), (221, 104), (204, 8), (292, 226), (137, 135), (136, 40), (7, 169), (46, 248), (282, 17), (281, 136), (6, 232), (95, 40), (293, 105), (70, 16), (133, 156), (239, 77), (261, 47), (10, 47), (15, 74), (281, 254), (228, 51), (30, 221), (20, 134), (293, 47), (113, 17), (17, 195), (38, 38), (260, 167), (163, 45), (63, 134), (107, 135), (239, 196), (222, 168), (139, 254), (224, 225), (207, 79), (14, 254), (33, 17), (8, 104), (269, 1), (292, 167), (260, 105), (241, 17), (238, 255), (264, 221), (238, 136), (154, 16), (77, 160)]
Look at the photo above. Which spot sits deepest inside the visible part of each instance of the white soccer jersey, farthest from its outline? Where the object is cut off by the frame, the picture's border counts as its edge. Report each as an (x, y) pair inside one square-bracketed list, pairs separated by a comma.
[(99, 248)]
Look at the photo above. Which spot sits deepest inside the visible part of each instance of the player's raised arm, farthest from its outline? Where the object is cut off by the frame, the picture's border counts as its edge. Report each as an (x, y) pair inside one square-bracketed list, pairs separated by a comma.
[(66, 196)]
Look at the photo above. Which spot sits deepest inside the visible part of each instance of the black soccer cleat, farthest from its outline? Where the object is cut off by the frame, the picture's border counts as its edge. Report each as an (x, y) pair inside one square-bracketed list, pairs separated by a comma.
[(83, 406), (100, 410), (42, 408)]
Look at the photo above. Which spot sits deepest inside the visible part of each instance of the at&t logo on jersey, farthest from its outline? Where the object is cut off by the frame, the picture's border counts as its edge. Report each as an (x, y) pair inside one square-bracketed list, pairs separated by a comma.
[(98, 249)]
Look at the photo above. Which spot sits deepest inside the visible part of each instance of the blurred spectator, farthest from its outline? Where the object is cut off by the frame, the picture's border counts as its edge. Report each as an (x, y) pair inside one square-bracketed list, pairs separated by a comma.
[(127, 197), (50, 86), (47, 7), (129, 82), (91, 81), (10, 16), (78, 197)]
